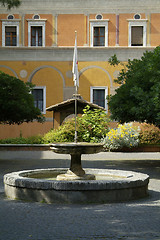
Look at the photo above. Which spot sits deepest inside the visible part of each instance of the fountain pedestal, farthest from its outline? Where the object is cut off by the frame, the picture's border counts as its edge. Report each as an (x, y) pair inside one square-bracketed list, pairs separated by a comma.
[(76, 172)]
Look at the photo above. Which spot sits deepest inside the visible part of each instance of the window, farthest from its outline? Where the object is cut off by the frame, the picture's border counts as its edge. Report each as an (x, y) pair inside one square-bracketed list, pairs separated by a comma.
[(137, 36), (98, 16), (99, 33), (10, 36), (10, 17), (36, 32), (36, 36), (137, 32), (99, 96), (36, 16), (137, 16), (10, 33), (39, 95), (99, 36)]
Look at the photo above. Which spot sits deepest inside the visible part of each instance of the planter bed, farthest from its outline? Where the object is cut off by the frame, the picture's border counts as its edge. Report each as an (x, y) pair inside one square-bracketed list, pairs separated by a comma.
[(142, 148)]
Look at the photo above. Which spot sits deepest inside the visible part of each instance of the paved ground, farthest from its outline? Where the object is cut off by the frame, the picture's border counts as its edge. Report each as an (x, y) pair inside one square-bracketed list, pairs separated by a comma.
[(136, 220)]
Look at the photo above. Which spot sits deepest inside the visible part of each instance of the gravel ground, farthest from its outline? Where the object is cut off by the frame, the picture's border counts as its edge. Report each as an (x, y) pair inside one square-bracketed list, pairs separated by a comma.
[(136, 220)]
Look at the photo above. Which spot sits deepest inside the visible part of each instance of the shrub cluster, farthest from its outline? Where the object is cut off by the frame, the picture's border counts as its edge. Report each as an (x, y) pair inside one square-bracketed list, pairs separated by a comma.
[(92, 126), (124, 136), (149, 134), (65, 133)]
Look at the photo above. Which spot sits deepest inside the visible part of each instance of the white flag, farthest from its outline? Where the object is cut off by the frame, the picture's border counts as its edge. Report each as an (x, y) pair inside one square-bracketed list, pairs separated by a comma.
[(75, 65)]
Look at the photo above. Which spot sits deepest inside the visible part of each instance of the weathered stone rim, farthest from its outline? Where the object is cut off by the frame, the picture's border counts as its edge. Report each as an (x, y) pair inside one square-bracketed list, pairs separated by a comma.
[(21, 179)]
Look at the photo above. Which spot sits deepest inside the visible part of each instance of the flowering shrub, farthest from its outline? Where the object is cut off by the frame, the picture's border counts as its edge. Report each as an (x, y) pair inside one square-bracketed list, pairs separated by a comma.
[(124, 136)]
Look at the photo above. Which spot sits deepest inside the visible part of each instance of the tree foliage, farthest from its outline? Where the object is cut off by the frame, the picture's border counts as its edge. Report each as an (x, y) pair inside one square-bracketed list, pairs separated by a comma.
[(10, 3), (113, 60), (138, 99), (16, 102)]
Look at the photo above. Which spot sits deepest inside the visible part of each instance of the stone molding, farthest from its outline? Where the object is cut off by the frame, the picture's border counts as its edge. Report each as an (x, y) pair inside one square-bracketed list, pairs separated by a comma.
[(57, 54)]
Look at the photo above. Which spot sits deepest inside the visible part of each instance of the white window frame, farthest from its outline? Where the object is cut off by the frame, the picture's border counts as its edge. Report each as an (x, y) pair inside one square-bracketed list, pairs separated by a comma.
[(106, 94), (10, 23), (140, 23), (99, 23), (36, 23), (44, 97)]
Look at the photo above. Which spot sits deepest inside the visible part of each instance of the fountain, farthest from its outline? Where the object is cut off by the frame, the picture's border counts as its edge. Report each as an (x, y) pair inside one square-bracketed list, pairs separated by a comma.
[(76, 185)]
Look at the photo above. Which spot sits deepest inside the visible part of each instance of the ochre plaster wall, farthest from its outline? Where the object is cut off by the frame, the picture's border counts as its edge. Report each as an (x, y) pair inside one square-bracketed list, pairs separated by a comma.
[(155, 29), (24, 130), (54, 76), (67, 25)]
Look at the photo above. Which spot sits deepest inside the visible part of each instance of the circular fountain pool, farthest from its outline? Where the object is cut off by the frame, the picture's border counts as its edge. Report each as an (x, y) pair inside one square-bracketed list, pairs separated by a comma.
[(109, 186)]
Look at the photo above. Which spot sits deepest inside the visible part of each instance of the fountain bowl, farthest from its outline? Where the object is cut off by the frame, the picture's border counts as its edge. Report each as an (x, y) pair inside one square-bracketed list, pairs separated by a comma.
[(76, 148), (40, 185)]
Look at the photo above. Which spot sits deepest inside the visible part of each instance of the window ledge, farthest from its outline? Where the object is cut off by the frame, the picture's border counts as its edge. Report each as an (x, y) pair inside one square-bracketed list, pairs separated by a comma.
[(137, 20), (36, 20), (99, 20), (10, 20)]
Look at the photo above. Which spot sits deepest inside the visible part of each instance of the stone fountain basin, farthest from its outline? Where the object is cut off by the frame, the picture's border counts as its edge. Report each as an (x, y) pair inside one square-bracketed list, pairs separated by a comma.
[(109, 186), (77, 148)]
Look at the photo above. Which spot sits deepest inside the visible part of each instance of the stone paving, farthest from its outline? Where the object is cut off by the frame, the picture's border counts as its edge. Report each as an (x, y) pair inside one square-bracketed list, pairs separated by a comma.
[(136, 220)]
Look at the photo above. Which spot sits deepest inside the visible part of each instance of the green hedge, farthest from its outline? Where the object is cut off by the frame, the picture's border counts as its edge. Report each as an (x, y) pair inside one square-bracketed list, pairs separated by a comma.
[(20, 140)]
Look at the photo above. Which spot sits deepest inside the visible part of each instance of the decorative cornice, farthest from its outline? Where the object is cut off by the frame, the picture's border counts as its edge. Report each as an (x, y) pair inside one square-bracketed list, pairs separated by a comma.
[(60, 54)]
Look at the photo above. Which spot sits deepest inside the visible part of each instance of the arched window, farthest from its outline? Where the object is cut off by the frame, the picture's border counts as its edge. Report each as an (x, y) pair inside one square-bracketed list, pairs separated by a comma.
[(36, 16), (137, 16), (99, 17), (10, 17)]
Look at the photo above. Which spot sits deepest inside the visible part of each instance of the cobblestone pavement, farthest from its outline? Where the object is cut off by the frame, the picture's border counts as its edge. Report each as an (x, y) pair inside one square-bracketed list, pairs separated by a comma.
[(136, 220)]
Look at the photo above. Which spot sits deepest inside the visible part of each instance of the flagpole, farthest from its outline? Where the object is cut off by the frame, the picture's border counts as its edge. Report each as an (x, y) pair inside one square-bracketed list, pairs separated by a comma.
[(75, 137), (76, 82)]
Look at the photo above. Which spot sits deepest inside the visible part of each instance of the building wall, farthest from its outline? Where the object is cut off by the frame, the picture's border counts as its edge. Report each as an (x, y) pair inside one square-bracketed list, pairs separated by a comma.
[(50, 66), (60, 29), (67, 25), (57, 76), (155, 29)]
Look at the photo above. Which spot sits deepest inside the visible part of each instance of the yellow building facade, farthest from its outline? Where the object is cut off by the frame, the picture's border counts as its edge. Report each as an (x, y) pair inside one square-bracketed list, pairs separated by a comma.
[(37, 44)]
